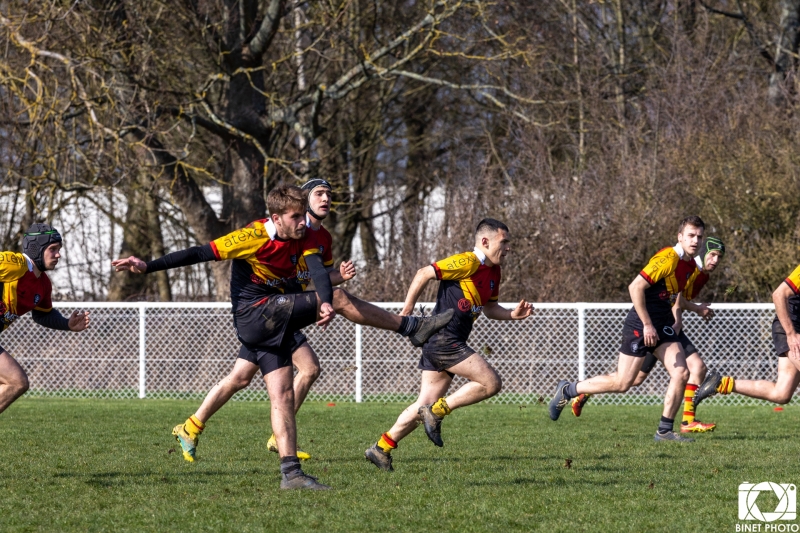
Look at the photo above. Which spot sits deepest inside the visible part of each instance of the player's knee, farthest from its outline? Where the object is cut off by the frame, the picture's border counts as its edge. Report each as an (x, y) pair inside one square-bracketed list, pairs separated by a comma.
[(783, 397), (19, 386), (310, 372), (493, 385), (639, 379)]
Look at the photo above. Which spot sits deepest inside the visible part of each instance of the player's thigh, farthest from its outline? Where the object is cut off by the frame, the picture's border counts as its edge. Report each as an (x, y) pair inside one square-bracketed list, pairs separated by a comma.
[(672, 356), (475, 368), (243, 369), (628, 367), (11, 371), (434, 386), (305, 359)]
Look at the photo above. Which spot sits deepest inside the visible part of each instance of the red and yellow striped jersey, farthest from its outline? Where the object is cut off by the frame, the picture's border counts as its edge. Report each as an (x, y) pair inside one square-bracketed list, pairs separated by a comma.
[(22, 290), (467, 284), (668, 274), (696, 281), (264, 264)]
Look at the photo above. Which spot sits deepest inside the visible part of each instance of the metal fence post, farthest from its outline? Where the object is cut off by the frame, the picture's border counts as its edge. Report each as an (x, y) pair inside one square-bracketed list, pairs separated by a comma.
[(358, 363), (142, 351), (581, 341)]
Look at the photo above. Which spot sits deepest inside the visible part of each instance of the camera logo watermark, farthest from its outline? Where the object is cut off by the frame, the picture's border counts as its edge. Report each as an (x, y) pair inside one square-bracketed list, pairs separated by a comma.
[(748, 504)]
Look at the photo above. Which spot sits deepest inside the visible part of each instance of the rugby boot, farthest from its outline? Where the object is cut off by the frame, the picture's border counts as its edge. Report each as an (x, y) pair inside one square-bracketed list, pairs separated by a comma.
[(432, 424), (379, 458), (272, 445), (697, 427), (188, 444), (707, 388), (428, 325), (671, 437), (578, 403), (559, 400), (301, 480)]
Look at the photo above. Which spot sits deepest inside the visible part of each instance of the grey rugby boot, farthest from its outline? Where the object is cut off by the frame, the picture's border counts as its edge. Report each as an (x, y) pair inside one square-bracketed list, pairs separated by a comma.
[(708, 387), (671, 437), (428, 325), (301, 481), (560, 399), (432, 424), (379, 458)]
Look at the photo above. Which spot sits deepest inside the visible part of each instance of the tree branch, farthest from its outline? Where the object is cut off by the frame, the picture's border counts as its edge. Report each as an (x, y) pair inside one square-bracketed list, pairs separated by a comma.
[(263, 37)]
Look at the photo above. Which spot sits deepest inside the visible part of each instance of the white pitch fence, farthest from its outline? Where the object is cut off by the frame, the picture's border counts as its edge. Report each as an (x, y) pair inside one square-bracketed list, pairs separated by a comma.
[(180, 350)]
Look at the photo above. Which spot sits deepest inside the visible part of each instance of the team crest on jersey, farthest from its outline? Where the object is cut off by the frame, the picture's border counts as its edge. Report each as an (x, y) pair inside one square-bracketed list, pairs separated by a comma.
[(36, 299), (491, 284), (294, 259), (321, 248)]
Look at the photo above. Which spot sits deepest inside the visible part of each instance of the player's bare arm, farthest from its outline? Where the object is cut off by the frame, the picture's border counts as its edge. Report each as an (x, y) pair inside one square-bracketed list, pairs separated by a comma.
[(636, 290), (781, 299), (677, 312), (422, 277), (495, 311)]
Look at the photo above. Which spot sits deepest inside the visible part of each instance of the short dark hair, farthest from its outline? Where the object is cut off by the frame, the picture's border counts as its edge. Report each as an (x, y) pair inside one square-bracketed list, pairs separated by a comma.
[(490, 225), (694, 221), (285, 197)]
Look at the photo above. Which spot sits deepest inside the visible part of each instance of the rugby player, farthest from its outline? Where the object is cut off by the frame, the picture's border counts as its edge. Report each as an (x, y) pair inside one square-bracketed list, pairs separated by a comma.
[(649, 327), (26, 287), (303, 358), (786, 342), (713, 249), (269, 306), (469, 285)]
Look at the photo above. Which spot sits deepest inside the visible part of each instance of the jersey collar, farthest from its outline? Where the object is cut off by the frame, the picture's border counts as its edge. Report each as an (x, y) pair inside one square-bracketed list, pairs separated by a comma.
[(271, 230), (699, 263), (30, 263), (480, 254), (679, 250)]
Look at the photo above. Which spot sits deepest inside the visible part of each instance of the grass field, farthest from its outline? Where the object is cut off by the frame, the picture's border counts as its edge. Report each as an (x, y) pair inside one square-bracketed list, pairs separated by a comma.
[(95, 465)]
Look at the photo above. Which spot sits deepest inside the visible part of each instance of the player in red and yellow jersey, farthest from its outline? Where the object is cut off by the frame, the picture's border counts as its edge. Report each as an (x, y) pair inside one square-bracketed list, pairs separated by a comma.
[(469, 286), (303, 358), (786, 341), (713, 249), (26, 288), (649, 326), (269, 307)]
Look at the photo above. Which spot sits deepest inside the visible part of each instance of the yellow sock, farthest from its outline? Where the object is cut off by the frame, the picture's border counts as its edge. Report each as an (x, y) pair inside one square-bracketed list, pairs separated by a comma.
[(386, 443), (193, 426), (726, 385), (688, 403), (440, 408)]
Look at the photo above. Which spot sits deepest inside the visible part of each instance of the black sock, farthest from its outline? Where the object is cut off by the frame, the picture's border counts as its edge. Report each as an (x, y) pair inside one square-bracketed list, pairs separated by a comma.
[(572, 390), (666, 425), (408, 324), (290, 466)]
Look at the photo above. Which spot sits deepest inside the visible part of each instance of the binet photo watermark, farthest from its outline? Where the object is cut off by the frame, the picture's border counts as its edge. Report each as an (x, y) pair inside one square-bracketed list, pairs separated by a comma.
[(763, 520)]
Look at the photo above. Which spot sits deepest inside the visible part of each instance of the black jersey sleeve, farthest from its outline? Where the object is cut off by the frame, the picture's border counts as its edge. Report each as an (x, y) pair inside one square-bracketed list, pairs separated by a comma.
[(322, 280), (189, 256), (50, 319)]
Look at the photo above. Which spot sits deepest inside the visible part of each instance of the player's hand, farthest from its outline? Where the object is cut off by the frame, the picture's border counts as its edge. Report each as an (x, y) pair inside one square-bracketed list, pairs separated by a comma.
[(133, 264), (78, 320), (326, 314), (705, 311), (347, 270), (523, 310), (793, 340), (650, 335)]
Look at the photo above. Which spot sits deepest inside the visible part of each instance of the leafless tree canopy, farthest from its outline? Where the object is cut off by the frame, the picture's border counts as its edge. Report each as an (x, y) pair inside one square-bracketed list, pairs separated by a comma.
[(590, 127)]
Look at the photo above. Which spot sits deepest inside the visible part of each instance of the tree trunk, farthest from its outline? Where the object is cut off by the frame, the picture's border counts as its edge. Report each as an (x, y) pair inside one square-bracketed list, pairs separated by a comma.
[(126, 285), (780, 80)]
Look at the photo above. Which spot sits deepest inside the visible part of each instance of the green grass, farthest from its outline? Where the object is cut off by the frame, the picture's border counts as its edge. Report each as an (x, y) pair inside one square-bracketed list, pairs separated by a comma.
[(103, 465)]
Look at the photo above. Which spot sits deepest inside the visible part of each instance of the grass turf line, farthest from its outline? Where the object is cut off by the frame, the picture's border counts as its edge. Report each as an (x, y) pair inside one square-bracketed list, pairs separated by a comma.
[(97, 465)]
